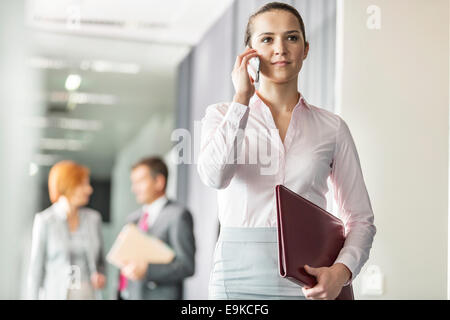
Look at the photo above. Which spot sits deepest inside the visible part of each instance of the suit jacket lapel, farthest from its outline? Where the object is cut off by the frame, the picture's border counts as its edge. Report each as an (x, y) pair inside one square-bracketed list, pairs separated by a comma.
[(160, 219)]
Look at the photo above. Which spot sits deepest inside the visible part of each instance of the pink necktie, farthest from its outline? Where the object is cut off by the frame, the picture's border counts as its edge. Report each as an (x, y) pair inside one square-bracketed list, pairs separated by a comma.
[(143, 225)]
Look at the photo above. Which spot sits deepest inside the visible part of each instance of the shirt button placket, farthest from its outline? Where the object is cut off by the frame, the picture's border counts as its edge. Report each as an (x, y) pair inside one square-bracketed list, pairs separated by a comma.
[(281, 168)]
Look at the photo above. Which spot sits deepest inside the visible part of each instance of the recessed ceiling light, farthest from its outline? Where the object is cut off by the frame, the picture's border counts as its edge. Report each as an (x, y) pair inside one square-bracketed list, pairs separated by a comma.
[(61, 144), (73, 82), (46, 63), (33, 169), (45, 160), (64, 123), (82, 98)]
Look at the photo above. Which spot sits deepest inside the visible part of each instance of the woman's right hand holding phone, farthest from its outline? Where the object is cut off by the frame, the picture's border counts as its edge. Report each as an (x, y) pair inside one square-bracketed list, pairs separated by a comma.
[(243, 84)]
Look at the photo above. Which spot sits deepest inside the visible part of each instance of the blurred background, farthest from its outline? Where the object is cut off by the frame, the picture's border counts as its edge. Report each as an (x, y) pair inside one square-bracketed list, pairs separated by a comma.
[(107, 82)]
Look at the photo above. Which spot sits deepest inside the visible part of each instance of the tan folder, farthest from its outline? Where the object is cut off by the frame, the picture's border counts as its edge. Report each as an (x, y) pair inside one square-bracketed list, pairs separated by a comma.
[(132, 245)]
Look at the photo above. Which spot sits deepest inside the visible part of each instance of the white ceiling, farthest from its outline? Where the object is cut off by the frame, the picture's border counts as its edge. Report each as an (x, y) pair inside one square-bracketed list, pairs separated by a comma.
[(152, 57), (168, 21)]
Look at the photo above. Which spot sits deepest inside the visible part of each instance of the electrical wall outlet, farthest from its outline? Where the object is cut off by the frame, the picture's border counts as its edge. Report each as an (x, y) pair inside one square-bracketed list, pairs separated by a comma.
[(373, 281)]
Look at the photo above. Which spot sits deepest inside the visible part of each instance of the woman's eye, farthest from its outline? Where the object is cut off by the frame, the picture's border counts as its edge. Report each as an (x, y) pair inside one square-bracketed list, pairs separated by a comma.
[(266, 40), (293, 38)]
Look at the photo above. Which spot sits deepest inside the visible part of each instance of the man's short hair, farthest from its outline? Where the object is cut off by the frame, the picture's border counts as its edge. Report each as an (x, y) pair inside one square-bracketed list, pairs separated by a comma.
[(155, 165)]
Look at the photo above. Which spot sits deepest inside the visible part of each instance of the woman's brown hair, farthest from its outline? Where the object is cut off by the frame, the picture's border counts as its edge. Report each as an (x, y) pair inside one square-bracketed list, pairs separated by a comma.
[(269, 7)]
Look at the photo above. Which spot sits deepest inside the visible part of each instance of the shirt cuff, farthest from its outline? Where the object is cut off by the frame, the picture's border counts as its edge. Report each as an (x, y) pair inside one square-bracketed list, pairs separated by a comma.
[(347, 260), (236, 115)]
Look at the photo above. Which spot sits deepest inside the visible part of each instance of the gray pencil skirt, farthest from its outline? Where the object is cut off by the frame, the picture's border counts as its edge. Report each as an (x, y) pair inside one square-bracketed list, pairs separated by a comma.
[(245, 266)]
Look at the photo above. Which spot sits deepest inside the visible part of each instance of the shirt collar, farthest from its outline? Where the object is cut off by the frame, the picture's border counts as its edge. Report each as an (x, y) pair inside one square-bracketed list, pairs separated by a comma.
[(61, 207), (156, 205), (301, 101)]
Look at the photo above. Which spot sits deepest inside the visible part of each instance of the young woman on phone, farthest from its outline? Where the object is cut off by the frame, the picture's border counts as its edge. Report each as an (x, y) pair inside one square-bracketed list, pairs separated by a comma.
[(305, 144)]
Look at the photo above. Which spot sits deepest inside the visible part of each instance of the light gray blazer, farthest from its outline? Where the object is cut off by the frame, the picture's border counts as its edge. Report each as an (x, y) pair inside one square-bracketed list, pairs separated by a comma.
[(50, 263), (174, 226)]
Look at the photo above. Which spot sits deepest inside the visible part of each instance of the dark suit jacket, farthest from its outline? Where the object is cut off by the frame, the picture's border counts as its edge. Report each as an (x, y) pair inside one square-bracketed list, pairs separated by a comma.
[(174, 226)]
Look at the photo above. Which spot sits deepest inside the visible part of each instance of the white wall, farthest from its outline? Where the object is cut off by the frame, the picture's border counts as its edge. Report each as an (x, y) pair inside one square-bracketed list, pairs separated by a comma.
[(210, 82), (394, 95), (18, 190)]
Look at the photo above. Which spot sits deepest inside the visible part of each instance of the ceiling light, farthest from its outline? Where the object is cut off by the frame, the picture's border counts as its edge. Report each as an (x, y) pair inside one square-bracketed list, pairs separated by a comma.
[(61, 144), (33, 169), (110, 66), (82, 98), (73, 82), (45, 160), (64, 123), (46, 63)]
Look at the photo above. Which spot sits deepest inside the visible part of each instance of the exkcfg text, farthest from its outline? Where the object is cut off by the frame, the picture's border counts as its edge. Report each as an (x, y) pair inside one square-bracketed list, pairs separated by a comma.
[(237, 309)]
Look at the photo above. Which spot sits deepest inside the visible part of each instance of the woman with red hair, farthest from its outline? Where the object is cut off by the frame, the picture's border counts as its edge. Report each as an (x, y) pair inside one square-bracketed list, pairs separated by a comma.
[(66, 255)]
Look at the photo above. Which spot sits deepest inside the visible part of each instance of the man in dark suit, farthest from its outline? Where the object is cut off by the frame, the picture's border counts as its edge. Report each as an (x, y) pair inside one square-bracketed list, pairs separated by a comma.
[(166, 220)]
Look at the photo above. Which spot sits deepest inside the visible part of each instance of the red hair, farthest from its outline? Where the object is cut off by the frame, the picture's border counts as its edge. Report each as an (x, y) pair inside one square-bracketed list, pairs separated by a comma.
[(64, 177)]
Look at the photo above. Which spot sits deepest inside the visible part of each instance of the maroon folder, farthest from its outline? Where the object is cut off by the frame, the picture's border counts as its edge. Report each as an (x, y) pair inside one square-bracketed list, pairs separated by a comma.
[(307, 234)]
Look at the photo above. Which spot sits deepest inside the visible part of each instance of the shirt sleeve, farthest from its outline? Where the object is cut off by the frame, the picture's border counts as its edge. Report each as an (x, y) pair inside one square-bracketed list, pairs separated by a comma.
[(353, 201), (222, 136), (182, 241)]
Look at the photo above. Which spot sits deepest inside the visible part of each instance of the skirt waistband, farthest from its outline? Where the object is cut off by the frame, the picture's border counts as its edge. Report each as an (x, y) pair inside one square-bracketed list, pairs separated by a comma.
[(235, 234)]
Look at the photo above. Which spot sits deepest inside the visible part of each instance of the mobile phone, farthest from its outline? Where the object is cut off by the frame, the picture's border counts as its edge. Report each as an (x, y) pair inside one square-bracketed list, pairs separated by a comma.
[(253, 68)]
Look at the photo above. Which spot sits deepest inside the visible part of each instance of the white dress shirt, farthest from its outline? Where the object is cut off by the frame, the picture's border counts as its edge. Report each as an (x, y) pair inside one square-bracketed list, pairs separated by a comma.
[(154, 209), (242, 155)]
